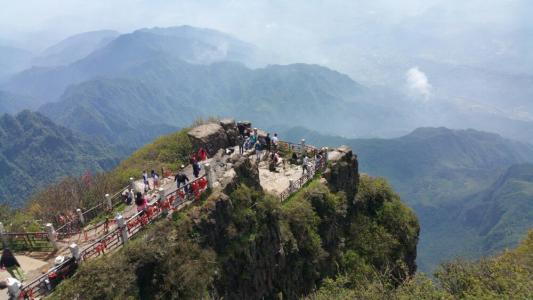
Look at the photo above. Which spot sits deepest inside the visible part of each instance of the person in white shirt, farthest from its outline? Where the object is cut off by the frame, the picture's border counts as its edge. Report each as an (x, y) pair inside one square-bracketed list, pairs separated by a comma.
[(305, 164), (13, 287), (274, 141)]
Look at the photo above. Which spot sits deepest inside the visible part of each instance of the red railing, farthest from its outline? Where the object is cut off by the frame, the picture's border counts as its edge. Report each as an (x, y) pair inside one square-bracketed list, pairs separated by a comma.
[(41, 286)]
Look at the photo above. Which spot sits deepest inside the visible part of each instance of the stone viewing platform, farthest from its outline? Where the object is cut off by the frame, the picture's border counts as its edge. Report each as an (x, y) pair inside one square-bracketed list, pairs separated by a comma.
[(222, 172)]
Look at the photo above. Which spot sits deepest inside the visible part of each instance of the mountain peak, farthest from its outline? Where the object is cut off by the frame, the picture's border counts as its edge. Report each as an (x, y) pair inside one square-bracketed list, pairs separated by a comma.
[(431, 132)]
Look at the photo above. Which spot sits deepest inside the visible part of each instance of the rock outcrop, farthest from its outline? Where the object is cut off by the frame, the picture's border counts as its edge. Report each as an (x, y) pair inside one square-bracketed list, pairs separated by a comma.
[(231, 130), (214, 136), (342, 173), (211, 136)]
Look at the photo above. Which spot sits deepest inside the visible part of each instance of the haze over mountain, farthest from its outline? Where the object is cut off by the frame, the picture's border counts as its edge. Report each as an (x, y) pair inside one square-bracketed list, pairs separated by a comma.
[(196, 45), (35, 152), (424, 95), (12, 60), (74, 48), (171, 93), (470, 189), (11, 103)]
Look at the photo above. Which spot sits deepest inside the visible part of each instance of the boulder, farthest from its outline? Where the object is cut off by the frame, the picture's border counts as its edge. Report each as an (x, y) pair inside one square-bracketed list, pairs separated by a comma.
[(231, 130), (211, 136), (342, 174)]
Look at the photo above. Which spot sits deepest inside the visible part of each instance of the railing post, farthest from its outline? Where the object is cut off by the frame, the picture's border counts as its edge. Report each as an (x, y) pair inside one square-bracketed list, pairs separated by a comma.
[(132, 194), (211, 177), (51, 235), (3, 234), (109, 203), (291, 185), (80, 216), (121, 223), (302, 145), (75, 251), (161, 192)]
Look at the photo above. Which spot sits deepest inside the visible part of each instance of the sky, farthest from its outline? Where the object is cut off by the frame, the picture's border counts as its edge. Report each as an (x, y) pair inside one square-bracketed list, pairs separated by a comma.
[(264, 21)]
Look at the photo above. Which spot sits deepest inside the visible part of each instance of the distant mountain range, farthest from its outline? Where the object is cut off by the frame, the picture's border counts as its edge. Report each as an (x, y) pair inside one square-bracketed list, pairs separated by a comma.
[(11, 103), (74, 48), (34, 152), (470, 189), (12, 60), (186, 72), (163, 94), (127, 51)]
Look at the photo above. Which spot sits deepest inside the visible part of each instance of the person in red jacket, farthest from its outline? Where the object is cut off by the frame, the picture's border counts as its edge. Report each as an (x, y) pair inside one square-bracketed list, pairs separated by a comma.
[(202, 154)]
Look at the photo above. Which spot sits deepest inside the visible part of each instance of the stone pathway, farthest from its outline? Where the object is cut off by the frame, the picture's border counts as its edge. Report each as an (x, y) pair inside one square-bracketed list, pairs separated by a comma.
[(32, 268), (277, 182)]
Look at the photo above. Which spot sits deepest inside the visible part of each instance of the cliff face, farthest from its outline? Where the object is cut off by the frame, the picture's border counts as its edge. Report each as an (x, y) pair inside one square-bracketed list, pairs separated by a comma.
[(342, 174), (268, 249)]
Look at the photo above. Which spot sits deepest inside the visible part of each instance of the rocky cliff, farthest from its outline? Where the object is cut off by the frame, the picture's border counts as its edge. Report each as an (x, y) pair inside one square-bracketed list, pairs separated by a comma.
[(243, 243)]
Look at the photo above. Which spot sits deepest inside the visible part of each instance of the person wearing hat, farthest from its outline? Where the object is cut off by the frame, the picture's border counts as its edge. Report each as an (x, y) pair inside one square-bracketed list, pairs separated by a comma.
[(10, 263)]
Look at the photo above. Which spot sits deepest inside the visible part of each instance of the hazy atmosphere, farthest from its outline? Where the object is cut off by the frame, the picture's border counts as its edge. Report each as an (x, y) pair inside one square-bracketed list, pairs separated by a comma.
[(473, 58), (431, 100)]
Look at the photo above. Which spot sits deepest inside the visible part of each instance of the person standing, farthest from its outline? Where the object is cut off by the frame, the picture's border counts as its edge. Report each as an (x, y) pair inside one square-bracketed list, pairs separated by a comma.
[(10, 263), (275, 141), (196, 169), (145, 181), (181, 178), (202, 154), (268, 142), (258, 151), (240, 143), (253, 138), (141, 202), (305, 164), (155, 179)]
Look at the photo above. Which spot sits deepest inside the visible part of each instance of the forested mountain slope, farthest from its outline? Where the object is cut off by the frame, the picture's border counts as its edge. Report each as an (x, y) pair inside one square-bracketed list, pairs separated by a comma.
[(463, 185), (163, 94), (34, 151)]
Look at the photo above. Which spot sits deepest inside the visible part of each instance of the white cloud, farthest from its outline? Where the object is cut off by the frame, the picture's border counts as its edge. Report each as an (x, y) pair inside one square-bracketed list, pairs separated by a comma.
[(417, 82)]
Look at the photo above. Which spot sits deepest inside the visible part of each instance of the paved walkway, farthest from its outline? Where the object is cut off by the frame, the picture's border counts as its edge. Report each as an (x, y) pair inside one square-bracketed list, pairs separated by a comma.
[(277, 182), (32, 268)]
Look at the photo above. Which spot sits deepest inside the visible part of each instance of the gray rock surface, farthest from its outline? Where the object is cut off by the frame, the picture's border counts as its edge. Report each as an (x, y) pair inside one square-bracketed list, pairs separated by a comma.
[(231, 130), (343, 173), (211, 136)]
